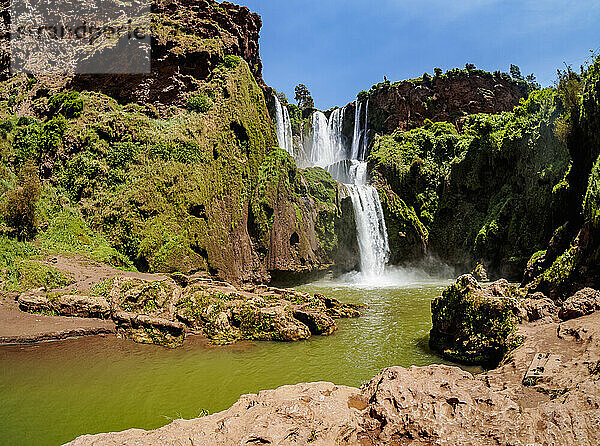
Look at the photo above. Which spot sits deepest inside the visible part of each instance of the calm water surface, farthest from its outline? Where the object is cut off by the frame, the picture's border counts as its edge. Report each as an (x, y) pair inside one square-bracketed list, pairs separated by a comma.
[(50, 393)]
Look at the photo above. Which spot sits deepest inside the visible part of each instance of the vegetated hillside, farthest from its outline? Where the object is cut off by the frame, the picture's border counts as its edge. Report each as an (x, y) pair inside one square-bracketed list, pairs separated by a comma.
[(570, 260), (173, 171), (496, 193), (491, 194)]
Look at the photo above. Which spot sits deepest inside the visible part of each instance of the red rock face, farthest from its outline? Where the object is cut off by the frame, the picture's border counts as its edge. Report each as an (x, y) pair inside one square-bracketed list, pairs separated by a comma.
[(450, 98), (190, 38), (236, 25)]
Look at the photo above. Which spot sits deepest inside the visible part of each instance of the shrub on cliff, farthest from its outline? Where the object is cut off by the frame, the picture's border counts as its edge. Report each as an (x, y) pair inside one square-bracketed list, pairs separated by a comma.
[(199, 103), (68, 103), (20, 205)]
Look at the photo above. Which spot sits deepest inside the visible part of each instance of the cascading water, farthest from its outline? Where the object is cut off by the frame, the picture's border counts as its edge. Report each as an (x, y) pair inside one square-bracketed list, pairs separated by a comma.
[(370, 230), (283, 126), (327, 139), (329, 151), (360, 140)]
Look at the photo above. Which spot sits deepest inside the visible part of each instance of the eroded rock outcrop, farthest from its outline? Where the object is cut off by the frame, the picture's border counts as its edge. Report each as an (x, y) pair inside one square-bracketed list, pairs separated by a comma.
[(583, 302), (163, 311), (475, 324)]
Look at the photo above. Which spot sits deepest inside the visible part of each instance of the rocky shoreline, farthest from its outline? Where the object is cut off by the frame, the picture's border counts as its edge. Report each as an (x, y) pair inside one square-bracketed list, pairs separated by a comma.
[(163, 310), (420, 405)]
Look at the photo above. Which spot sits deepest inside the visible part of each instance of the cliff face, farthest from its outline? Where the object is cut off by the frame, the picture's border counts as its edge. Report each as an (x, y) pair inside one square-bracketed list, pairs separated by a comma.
[(569, 261), (175, 169), (488, 195), (190, 39), (450, 97)]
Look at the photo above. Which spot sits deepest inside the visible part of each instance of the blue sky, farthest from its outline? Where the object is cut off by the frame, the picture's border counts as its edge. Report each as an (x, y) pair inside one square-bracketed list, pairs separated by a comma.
[(340, 47)]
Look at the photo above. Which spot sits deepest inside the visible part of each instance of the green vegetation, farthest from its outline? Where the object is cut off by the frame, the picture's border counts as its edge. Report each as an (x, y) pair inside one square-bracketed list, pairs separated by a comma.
[(113, 183), (199, 103), (303, 97), (527, 84), (491, 193), (20, 206), (472, 327), (68, 103)]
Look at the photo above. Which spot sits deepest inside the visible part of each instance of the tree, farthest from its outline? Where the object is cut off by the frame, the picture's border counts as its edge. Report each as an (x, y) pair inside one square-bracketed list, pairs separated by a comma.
[(438, 72), (515, 72), (303, 97), (282, 97), (568, 86), (470, 67), (20, 208), (532, 81)]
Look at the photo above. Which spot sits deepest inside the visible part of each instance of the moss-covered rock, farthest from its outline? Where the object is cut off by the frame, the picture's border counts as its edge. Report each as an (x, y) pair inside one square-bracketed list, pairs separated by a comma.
[(299, 219), (475, 325)]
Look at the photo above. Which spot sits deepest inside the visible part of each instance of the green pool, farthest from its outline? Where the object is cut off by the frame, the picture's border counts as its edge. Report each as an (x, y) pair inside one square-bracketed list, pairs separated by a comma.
[(53, 392)]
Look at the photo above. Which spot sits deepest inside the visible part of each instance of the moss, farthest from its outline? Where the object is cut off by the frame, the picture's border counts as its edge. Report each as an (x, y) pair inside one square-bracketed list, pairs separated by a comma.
[(320, 185), (199, 103), (560, 272), (591, 203), (471, 327), (256, 325), (67, 103), (68, 233)]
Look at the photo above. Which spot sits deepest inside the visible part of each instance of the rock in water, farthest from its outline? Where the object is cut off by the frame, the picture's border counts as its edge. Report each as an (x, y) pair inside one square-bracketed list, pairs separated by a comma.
[(472, 324)]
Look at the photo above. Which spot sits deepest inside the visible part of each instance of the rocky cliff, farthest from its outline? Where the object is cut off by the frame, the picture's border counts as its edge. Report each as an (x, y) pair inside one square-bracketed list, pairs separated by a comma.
[(176, 170), (569, 261), (448, 97), (489, 195)]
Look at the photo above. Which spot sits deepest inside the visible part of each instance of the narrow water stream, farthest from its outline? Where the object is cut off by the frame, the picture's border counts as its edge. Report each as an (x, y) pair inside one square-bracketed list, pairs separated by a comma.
[(53, 392)]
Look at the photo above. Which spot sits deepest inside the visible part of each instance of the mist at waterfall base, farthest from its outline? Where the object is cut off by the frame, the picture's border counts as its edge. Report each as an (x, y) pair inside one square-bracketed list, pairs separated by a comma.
[(428, 271)]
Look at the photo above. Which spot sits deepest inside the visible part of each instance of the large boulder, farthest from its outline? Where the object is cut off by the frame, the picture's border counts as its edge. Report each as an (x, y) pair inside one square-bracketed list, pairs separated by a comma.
[(537, 307), (474, 324), (38, 301), (582, 303)]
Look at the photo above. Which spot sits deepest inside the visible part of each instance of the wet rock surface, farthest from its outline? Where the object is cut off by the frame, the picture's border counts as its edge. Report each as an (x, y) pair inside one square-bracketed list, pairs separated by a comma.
[(420, 405)]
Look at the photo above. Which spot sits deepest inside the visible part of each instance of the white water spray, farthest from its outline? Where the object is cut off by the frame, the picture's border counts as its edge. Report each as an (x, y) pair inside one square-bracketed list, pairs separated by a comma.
[(370, 230), (328, 151), (327, 146), (283, 126), (360, 139)]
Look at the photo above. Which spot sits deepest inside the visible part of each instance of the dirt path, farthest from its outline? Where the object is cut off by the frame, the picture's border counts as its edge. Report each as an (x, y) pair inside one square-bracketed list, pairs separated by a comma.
[(18, 327), (85, 273)]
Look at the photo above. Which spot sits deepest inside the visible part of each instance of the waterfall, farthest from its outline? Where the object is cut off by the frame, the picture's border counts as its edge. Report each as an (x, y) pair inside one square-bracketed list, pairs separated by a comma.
[(327, 139), (328, 150), (370, 230), (283, 126), (356, 136), (360, 140)]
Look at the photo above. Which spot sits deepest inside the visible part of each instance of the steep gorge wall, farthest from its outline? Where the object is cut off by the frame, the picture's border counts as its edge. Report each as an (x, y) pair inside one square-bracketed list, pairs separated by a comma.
[(175, 169), (450, 97), (570, 260)]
